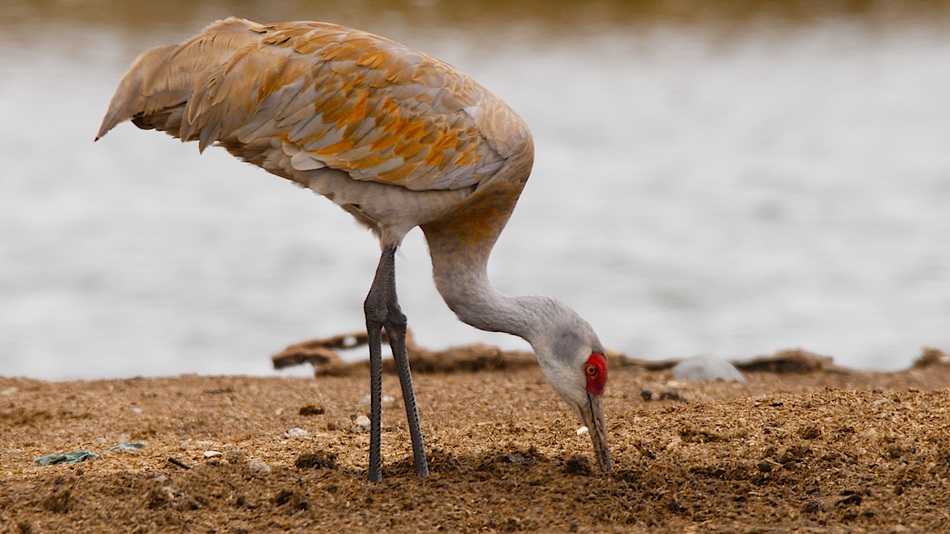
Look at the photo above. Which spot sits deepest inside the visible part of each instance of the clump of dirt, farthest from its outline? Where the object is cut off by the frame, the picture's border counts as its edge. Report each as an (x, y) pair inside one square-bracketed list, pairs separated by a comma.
[(820, 449), (316, 460), (310, 409)]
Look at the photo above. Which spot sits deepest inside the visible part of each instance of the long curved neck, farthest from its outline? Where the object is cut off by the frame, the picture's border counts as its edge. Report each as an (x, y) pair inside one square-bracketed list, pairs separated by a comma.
[(463, 282), (460, 245)]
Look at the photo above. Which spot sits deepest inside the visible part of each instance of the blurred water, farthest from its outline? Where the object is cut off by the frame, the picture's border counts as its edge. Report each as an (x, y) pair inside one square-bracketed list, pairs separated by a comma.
[(730, 180)]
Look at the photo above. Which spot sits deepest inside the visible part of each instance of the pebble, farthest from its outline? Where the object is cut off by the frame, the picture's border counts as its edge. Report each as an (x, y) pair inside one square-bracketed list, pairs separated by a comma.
[(133, 446), (257, 467), (212, 454), (361, 423), (296, 432), (707, 368)]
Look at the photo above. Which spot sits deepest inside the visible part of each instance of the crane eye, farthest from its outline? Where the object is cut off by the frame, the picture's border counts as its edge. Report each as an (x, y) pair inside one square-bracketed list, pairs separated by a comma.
[(591, 370)]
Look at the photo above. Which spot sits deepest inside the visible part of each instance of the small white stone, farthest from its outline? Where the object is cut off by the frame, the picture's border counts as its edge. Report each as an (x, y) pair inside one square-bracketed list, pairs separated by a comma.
[(212, 454), (582, 430), (706, 367), (296, 432), (362, 421), (257, 467)]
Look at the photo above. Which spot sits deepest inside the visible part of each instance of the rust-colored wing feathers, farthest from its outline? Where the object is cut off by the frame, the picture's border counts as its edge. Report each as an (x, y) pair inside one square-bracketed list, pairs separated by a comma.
[(303, 96)]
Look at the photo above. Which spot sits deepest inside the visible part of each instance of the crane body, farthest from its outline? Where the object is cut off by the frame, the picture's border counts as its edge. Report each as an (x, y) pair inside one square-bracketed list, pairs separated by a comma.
[(396, 138)]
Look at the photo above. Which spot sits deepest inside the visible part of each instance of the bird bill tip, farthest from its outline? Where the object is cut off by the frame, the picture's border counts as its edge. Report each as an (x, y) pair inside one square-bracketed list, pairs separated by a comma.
[(592, 417)]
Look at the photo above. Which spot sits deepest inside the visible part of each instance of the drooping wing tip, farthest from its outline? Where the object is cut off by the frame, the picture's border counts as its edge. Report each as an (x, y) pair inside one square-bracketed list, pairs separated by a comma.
[(109, 121), (102, 133), (140, 89)]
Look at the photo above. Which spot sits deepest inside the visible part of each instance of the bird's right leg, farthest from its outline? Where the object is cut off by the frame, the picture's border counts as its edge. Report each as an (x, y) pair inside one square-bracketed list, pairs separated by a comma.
[(375, 307)]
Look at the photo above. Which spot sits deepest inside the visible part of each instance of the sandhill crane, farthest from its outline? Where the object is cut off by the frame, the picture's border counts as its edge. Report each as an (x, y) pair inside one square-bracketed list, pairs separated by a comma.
[(394, 137)]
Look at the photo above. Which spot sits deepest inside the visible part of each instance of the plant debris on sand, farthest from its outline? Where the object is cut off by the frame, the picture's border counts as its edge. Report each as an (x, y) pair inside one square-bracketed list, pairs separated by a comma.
[(820, 449)]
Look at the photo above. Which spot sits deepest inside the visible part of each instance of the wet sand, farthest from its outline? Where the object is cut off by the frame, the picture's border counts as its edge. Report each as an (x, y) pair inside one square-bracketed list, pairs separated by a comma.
[(822, 451)]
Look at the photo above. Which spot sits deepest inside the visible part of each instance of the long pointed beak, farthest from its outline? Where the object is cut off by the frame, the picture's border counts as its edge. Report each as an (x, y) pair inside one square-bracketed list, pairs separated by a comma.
[(592, 415)]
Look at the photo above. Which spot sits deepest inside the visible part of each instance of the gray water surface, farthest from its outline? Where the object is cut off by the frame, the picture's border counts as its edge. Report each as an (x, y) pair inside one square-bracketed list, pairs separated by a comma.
[(706, 182)]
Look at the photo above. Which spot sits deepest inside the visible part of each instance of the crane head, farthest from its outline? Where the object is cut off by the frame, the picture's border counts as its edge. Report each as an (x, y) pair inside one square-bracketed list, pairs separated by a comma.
[(573, 361)]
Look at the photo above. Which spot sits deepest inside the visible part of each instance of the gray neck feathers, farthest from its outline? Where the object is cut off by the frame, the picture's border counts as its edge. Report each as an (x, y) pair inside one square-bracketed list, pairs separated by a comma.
[(537, 319)]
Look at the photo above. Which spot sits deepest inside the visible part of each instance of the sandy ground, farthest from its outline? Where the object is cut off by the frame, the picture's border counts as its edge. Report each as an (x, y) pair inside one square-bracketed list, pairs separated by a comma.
[(824, 451)]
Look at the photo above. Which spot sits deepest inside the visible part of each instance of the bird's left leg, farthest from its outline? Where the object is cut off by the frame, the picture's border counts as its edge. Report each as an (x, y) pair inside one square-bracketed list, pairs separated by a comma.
[(396, 332), (382, 310)]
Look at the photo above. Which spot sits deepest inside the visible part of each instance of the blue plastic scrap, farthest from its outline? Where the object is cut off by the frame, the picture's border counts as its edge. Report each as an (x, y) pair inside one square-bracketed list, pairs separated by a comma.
[(69, 457)]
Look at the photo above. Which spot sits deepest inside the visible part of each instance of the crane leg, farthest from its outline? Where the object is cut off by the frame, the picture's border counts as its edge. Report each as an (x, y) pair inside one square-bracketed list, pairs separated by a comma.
[(374, 334), (382, 311), (397, 341)]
